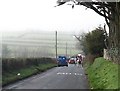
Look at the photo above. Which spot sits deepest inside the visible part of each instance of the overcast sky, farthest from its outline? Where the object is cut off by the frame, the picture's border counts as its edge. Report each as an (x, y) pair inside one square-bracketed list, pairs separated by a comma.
[(24, 15)]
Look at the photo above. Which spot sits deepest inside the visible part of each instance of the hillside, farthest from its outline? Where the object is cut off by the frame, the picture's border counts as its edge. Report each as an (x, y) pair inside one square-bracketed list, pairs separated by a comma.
[(103, 74), (39, 44)]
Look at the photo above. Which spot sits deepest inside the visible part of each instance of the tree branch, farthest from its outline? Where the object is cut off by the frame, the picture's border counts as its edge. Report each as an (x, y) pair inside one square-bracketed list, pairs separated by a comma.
[(89, 5), (107, 21), (96, 6)]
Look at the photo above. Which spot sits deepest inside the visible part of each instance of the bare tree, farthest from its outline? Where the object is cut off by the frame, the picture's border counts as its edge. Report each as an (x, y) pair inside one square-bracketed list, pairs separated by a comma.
[(111, 12)]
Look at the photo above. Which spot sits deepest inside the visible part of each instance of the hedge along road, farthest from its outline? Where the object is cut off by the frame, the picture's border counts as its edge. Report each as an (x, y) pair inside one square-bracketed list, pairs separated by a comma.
[(71, 77)]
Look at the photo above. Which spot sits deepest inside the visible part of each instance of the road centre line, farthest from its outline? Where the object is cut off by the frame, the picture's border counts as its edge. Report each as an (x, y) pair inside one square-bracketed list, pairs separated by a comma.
[(60, 73)]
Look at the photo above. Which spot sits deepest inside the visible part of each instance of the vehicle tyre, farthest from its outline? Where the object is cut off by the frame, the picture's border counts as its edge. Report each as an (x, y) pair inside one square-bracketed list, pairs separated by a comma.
[(58, 65)]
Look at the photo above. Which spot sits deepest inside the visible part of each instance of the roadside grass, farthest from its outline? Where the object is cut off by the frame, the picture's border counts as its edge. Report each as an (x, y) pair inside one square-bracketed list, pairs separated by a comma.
[(15, 75), (61, 51), (103, 74)]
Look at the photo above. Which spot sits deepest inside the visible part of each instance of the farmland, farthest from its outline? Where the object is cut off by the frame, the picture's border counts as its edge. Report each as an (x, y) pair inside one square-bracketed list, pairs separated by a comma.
[(38, 44)]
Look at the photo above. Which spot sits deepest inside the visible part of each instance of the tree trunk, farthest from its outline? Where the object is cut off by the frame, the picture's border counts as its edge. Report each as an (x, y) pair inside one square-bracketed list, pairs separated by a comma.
[(114, 35)]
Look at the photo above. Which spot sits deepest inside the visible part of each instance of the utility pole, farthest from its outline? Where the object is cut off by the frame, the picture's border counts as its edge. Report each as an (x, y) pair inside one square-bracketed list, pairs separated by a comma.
[(56, 43), (66, 49), (70, 51)]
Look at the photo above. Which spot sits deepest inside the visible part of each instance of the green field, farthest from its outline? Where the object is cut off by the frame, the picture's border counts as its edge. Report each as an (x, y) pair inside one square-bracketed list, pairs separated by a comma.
[(70, 52), (39, 44)]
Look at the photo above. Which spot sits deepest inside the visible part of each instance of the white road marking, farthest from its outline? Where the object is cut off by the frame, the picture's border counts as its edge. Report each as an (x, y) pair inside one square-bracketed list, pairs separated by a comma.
[(81, 74), (58, 73), (61, 73)]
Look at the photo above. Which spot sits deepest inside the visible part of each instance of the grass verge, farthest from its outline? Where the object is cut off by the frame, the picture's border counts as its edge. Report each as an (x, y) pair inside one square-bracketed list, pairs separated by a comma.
[(13, 76), (103, 74)]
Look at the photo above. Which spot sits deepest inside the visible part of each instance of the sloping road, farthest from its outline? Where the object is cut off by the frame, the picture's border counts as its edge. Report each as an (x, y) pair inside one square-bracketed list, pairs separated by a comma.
[(71, 77)]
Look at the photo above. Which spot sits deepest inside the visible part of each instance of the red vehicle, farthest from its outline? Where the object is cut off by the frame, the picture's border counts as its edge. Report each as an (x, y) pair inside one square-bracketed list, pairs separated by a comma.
[(72, 61)]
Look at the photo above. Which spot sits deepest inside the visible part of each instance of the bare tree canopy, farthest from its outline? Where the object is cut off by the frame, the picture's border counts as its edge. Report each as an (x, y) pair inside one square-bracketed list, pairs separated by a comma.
[(110, 10), (103, 7)]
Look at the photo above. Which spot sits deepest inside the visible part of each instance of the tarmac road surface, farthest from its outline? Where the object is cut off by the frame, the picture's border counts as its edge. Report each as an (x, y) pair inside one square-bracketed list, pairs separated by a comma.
[(71, 77)]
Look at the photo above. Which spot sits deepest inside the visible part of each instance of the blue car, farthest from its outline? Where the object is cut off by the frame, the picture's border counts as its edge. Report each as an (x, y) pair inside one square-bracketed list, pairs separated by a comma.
[(62, 61)]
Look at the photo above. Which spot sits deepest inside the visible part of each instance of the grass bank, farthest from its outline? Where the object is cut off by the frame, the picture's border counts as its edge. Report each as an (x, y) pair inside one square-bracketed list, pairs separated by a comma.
[(103, 74), (15, 75)]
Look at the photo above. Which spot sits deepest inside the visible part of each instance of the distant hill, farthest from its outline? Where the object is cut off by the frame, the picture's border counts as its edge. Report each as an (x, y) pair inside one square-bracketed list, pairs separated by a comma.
[(40, 43)]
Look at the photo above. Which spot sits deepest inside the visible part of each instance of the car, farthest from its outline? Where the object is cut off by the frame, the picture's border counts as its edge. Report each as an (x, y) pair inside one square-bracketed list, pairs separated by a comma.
[(62, 61), (72, 61)]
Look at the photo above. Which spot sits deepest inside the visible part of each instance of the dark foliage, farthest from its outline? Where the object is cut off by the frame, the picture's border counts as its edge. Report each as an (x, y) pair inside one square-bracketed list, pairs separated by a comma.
[(10, 64), (93, 42)]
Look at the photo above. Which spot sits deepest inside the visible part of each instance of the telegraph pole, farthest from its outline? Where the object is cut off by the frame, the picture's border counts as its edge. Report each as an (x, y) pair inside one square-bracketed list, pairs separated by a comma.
[(56, 43), (66, 49)]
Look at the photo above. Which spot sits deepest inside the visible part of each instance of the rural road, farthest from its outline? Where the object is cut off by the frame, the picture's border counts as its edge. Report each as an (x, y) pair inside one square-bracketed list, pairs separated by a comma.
[(71, 77)]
